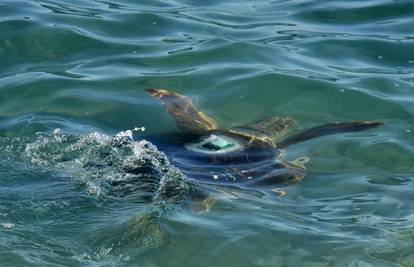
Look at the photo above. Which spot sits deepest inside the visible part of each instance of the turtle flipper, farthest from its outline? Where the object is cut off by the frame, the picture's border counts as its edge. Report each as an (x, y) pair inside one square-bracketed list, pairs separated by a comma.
[(185, 113), (328, 129), (267, 129), (143, 232)]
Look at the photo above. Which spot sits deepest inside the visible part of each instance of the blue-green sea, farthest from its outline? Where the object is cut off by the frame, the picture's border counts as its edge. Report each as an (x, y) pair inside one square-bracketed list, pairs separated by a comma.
[(73, 74)]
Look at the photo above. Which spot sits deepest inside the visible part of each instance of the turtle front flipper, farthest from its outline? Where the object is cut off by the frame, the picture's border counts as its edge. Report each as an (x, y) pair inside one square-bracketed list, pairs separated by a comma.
[(185, 113), (266, 130), (143, 232), (328, 129)]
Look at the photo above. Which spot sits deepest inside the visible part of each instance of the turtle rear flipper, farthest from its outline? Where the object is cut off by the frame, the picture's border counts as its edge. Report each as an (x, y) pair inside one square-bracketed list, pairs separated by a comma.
[(328, 129), (185, 113)]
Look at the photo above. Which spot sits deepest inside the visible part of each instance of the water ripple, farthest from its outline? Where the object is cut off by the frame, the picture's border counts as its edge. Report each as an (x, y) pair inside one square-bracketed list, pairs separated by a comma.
[(82, 66)]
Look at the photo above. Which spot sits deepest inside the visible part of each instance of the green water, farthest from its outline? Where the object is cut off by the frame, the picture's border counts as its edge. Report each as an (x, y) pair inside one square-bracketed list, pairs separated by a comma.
[(82, 66)]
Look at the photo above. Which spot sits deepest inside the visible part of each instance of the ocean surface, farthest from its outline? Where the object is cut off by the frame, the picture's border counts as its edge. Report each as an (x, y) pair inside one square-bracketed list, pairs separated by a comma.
[(73, 74)]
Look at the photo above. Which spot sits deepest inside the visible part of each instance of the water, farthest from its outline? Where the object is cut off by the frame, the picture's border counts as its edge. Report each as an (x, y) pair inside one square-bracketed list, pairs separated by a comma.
[(82, 66)]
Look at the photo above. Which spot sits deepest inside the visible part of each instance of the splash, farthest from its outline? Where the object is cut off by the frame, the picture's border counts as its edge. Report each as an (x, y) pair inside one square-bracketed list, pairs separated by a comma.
[(105, 165)]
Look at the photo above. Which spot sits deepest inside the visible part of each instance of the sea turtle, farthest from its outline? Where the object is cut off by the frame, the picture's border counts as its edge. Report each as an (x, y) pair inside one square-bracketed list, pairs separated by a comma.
[(250, 154)]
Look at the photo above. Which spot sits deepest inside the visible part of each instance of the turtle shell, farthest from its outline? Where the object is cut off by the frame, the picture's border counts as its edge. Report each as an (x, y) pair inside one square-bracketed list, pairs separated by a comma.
[(206, 152)]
